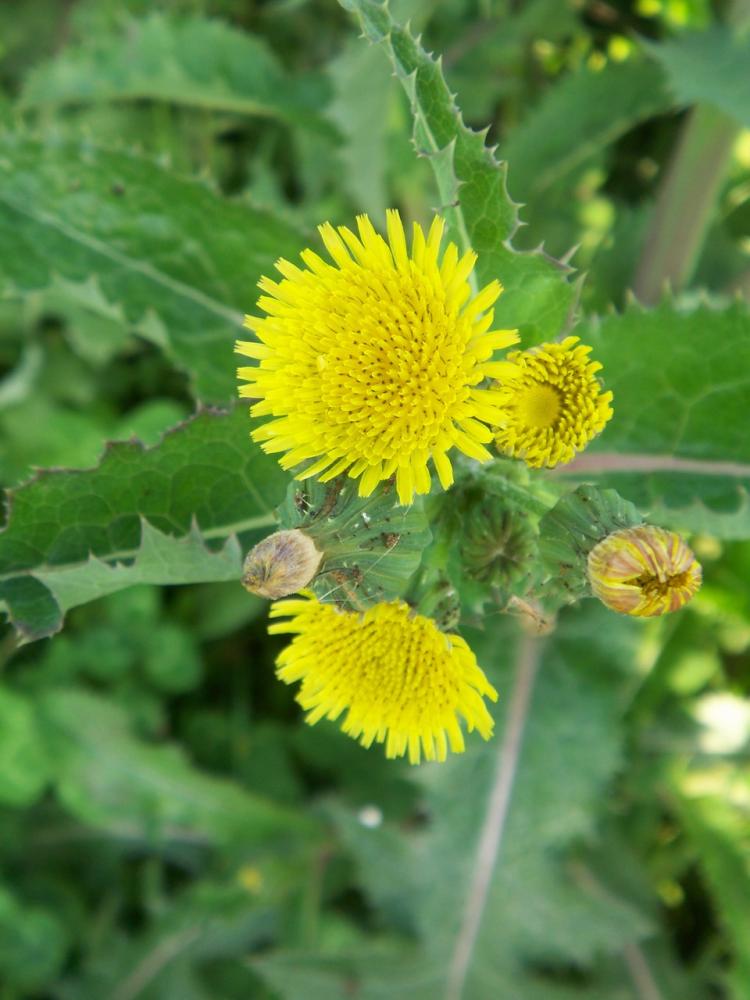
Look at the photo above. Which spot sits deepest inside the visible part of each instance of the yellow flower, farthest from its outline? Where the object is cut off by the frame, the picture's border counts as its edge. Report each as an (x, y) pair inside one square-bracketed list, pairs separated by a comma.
[(399, 679), (643, 571), (551, 402), (371, 365)]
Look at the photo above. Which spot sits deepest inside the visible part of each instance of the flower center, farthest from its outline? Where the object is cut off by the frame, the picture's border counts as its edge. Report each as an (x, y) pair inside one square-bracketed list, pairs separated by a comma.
[(393, 361), (652, 586), (539, 406)]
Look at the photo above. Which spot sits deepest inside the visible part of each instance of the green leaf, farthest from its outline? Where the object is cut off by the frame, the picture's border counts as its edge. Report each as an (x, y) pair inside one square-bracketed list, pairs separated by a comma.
[(159, 558), (176, 261), (372, 971), (718, 835), (677, 444), (24, 765), (572, 121), (384, 859), (362, 92), (95, 327), (709, 67), (371, 545), (472, 186), (524, 797), (111, 781), (193, 61), (33, 944), (174, 513), (172, 662), (38, 433), (167, 959)]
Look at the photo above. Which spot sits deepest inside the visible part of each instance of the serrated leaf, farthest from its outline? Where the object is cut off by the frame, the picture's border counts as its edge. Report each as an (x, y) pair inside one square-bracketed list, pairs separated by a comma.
[(159, 559), (677, 445), (143, 515), (194, 61), (177, 260), (371, 545), (578, 116), (710, 67), (472, 186), (111, 781)]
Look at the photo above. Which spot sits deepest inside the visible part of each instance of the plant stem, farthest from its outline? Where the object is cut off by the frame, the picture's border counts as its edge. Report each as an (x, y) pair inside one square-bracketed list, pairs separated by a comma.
[(685, 203)]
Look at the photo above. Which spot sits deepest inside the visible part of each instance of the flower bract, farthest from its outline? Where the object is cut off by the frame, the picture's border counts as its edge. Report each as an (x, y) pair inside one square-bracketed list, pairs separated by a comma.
[(643, 571), (398, 679), (552, 404), (371, 364)]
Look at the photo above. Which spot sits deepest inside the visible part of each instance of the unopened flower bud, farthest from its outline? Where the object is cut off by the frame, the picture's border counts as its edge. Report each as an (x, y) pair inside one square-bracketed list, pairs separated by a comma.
[(282, 564), (497, 545), (644, 571)]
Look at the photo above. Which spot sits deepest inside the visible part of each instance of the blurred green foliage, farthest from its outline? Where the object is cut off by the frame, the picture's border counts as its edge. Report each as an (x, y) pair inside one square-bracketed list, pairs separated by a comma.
[(169, 828)]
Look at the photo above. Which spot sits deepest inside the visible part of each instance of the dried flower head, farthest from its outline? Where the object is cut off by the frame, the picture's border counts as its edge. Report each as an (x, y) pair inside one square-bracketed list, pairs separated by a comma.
[(371, 365), (551, 402), (282, 564), (400, 680), (643, 571)]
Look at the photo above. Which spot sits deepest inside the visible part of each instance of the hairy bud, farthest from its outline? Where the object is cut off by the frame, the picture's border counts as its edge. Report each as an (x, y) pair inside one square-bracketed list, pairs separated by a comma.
[(644, 571), (282, 564)]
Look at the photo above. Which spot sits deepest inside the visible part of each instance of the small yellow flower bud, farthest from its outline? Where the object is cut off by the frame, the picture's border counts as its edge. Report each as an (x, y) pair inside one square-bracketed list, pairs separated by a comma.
[(282, 564), (643, 571)]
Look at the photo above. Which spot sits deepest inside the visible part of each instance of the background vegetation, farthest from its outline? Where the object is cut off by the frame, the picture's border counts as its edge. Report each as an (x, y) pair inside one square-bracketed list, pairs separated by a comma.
[(169, 829)]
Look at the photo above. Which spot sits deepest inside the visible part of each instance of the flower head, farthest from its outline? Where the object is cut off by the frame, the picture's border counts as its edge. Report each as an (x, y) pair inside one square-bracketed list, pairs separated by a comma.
[(399, 679), (551, 403), (643, 571), (371, 364)]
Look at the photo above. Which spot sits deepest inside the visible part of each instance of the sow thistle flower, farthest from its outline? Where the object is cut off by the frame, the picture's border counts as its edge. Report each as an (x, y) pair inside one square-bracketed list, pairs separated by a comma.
[(372, 365), (399, 679), (644, 571), (551, 403)]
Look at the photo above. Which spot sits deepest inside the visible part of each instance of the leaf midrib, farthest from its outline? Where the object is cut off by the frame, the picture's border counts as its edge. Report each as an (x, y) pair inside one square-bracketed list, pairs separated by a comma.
[(238, 105), (499, 802), (125, 261)]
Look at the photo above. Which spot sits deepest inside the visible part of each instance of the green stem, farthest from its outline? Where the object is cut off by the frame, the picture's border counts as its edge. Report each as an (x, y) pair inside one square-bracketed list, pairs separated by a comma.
[(685, 203)]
